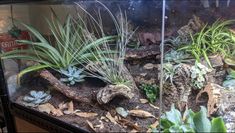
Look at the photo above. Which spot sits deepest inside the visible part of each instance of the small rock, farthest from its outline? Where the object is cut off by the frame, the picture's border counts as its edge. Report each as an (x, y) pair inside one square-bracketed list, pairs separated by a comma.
[(143, 74), (148, 66), (121, 111), (144, 101)]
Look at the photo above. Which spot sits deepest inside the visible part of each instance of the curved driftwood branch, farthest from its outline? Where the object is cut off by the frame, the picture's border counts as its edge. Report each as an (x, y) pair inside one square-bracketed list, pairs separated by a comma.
[(59, 86), (110, 91), (107, 93)]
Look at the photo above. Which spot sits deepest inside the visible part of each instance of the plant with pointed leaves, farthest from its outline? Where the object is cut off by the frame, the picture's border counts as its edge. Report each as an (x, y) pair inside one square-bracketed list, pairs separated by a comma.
[(112, 69), (72, 75), (214, 39), (169, 71), (73, 44)]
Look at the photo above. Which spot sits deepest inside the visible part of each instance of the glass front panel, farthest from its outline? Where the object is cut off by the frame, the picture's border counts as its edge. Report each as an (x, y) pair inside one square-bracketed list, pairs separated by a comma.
[(91, 64), (198, 68)]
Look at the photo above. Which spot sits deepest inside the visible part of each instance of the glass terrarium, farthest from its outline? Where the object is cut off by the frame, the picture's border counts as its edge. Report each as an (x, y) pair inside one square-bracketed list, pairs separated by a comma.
[(121, 65)]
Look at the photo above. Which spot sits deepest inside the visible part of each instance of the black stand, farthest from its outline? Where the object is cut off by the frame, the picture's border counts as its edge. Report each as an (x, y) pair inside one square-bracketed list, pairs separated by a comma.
[(5, 103)]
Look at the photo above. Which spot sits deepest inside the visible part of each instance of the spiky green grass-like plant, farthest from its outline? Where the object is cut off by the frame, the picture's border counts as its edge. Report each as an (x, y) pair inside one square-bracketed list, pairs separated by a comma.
[(73, 44), (111, 69), (214, 39)]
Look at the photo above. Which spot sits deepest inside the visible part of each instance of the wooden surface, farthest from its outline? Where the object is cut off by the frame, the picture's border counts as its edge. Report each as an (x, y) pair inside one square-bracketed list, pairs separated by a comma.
[(24, 126)]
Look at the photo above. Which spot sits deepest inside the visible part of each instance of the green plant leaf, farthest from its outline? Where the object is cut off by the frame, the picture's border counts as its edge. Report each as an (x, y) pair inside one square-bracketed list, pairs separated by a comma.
[(175, 129), (188, 117), (187, 129), (217, 125), (174, 115), (201, 122), (166, 124), (30, 69)]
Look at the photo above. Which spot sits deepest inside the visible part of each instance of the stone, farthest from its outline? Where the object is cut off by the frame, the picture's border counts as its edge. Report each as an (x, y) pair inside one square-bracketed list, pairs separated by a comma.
[(121, 111), (148, 66)]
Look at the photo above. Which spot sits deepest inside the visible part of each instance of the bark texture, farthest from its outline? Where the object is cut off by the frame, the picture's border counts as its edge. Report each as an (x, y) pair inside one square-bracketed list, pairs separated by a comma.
[(59, 86), (107, 93)]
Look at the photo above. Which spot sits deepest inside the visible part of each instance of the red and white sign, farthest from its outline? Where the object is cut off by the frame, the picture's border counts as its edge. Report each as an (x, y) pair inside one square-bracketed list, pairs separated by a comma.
[(8, 43)]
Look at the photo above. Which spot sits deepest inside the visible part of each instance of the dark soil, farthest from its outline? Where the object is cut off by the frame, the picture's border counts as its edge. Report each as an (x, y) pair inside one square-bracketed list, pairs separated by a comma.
[(90, 86), (101, 110)]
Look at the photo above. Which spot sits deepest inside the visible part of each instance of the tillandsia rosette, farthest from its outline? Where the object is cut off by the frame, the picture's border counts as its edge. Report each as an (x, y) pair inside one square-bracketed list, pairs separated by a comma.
[(72, 75), (198, 73), (34, 98), (175, 56)]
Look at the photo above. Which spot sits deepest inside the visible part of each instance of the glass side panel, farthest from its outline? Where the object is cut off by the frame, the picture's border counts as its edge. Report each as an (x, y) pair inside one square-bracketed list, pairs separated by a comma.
[(85, 63), (199, 65)]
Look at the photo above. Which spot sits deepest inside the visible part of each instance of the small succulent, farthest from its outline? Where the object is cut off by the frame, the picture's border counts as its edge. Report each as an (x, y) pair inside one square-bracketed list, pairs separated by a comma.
[(198, 73), (178, 41), (72, 74), (229, 82), (176, 56), (151, 92), (34, 98), (169, 71)]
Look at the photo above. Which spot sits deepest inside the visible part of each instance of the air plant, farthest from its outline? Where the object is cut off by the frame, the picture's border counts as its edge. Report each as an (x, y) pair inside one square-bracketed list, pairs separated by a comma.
[(175, 56), (169, 71), (72, 75), (73, 44), (214, 39), (198, 73), (111, 69), (34, 98)]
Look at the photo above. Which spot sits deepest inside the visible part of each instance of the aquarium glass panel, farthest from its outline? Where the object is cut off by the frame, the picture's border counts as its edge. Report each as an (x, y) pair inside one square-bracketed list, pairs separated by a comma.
[(198, 85), (91, 64)]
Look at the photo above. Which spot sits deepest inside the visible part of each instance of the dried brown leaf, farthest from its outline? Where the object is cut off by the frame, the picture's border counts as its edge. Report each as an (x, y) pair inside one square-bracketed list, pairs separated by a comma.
[(154, 125), (104, 118), (57, 112), (109, 116), (155, 107), (144, 101), (90, 125), (140, 113), (47, 107), (100, 126), (70, 108), (86, 114), (130, 124), (63, 106), (134, 131)]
